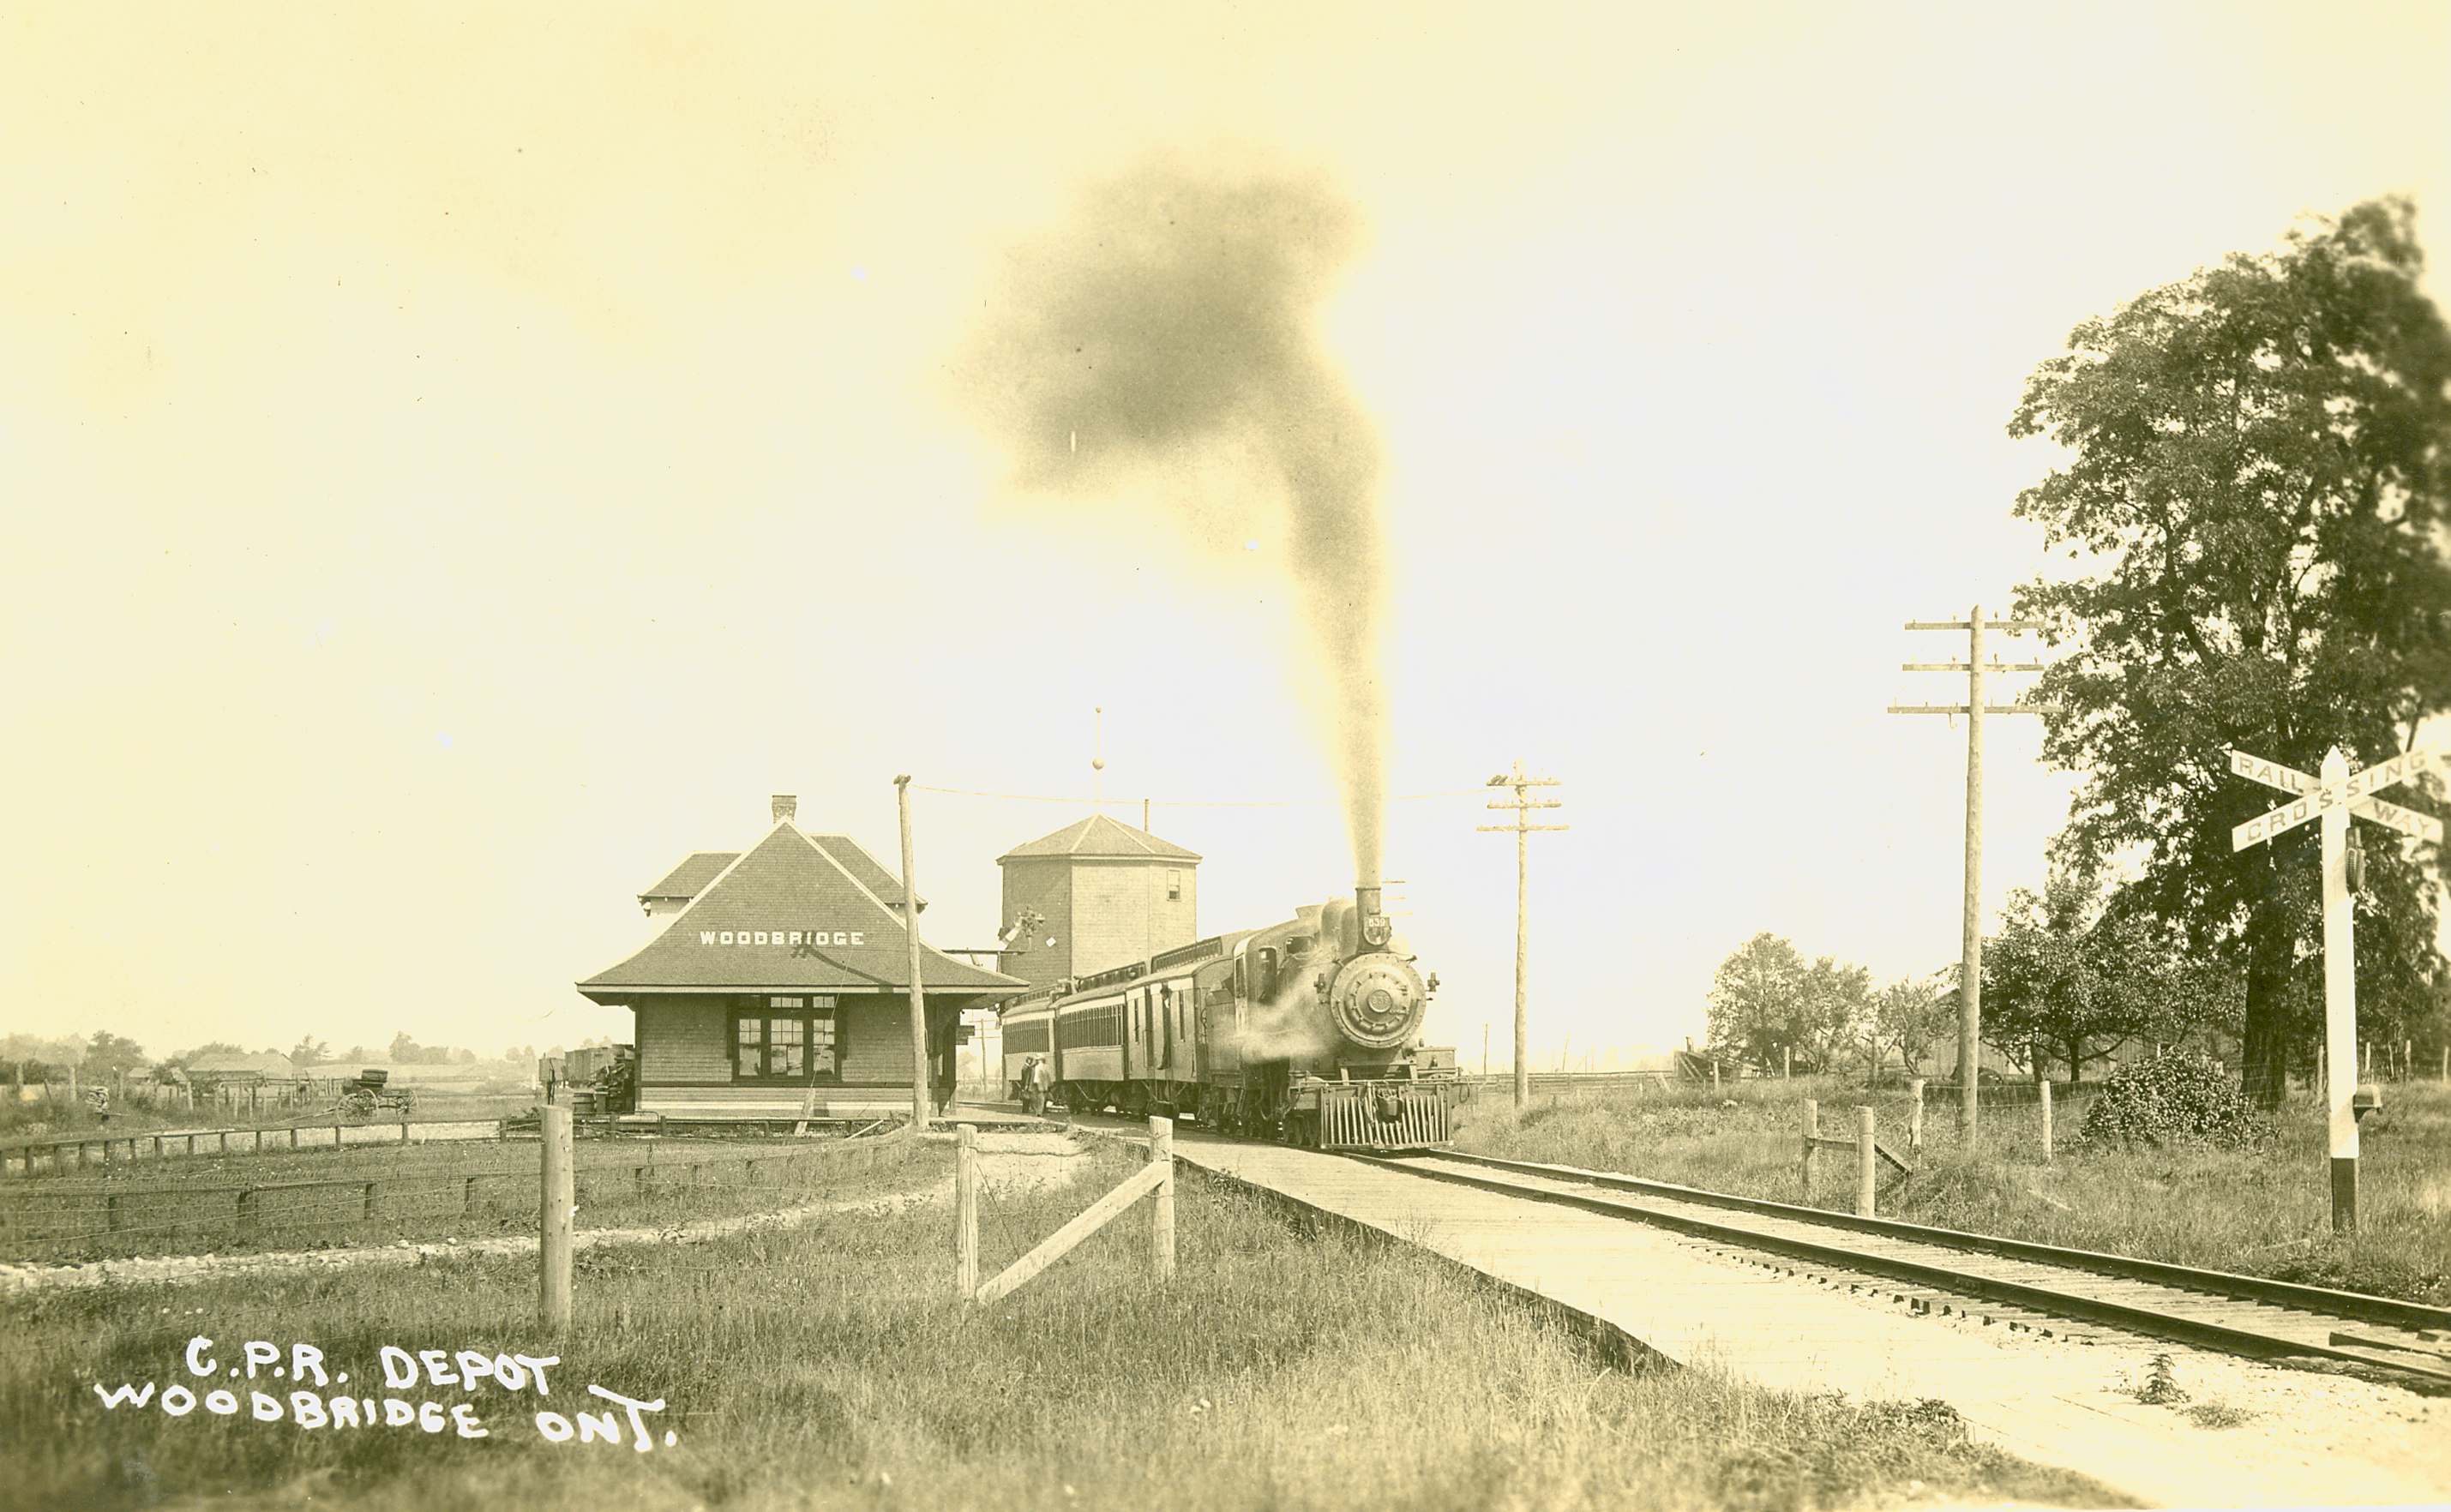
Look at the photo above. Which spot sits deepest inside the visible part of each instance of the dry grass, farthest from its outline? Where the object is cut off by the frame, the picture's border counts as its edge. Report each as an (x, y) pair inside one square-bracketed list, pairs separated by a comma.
[(828, 1366), (2265, 1211), (461, 1190)]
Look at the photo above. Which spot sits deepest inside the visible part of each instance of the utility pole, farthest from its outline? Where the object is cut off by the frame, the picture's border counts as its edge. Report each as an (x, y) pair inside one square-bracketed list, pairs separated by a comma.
[(1523, 803), (918, 1001), (1970, 991)]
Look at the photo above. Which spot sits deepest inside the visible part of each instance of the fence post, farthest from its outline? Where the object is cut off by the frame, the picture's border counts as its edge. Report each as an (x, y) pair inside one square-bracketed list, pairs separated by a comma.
[(1161, 1151), (553, 1226), (247, 1213), (2046, 1120), (966, 1212), (110, 1212), (367, 1210), (1915, 1117), (468, 1197), (1812, 1126), (1866, 1162), (403, 1130)]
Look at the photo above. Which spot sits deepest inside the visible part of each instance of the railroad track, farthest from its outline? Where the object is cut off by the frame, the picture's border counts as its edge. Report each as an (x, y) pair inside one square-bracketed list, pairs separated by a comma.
[(1941, 1268)]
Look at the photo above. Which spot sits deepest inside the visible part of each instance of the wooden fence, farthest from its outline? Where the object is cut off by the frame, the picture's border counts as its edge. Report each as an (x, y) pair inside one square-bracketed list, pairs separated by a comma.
[(81, 1151), (67, 1218)]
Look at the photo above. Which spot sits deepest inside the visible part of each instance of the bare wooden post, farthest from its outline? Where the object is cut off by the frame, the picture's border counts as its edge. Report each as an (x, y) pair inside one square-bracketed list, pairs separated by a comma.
[(1867, 1167), (1161, 1152), (2046, 1091), (1812, 1122), (1914, 1116), (368, 1211), (1786, 1061), (403, 1130), (554, 1220), (1715, 1073), (966, 1212)]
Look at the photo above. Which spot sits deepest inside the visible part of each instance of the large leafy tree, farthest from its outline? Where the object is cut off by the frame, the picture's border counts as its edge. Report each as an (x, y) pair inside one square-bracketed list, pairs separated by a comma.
[(1836, 1008), (1756, 1004), (1911, 1017), (2073, 977), (2258, 459)]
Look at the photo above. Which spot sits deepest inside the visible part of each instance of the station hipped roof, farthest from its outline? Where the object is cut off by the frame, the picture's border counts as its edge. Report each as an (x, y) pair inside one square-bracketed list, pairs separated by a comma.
[(790, 915)]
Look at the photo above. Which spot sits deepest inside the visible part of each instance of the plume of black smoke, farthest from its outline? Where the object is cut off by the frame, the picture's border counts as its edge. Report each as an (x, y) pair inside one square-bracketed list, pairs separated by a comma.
[(1167, 333)]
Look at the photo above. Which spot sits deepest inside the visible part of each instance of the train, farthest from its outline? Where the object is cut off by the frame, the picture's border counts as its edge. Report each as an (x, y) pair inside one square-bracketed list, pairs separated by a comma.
[(1305, 1032)]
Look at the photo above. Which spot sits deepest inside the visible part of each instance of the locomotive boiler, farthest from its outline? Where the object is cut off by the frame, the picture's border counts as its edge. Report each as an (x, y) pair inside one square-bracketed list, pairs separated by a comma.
[(1307, 1030)]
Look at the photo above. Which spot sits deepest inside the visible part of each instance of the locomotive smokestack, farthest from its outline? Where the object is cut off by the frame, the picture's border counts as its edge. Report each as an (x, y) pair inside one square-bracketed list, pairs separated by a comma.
[(1375, 929)]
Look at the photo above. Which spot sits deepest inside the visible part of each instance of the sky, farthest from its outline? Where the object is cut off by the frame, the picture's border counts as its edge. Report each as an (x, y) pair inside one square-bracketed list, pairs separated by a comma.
[(456, 461)]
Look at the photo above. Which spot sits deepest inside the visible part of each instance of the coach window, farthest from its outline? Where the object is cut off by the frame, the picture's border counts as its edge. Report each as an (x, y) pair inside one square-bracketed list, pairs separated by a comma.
[(785, 1039)]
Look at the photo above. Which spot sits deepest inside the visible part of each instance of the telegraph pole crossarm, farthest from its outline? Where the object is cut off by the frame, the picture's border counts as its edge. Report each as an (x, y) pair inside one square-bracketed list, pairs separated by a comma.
[(1523, 803), (1969, 991)]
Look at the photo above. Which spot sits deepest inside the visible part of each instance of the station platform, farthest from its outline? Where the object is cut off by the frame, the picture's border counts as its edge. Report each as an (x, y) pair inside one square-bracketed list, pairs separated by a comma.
[(2051, 1400)]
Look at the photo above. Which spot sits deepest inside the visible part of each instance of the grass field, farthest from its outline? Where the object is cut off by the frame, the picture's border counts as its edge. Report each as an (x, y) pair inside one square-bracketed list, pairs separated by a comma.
[(2265, 1212), (826, 1366), (375, 1193)]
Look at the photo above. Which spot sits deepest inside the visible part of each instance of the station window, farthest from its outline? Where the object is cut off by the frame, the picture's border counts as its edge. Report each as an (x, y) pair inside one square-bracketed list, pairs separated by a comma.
[(789, 1039), (1173, 885)]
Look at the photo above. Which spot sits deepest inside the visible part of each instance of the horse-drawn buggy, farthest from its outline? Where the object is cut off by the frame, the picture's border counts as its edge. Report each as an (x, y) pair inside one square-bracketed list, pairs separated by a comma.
[(368, 1092)]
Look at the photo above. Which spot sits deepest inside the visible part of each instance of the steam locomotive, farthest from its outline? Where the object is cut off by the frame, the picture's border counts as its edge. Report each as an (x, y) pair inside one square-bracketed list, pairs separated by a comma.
[(1306, 1032)]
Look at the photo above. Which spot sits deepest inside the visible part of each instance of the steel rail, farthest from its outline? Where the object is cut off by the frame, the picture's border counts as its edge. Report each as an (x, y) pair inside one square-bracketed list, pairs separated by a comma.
[(2132, 1316), (2358, 1304)]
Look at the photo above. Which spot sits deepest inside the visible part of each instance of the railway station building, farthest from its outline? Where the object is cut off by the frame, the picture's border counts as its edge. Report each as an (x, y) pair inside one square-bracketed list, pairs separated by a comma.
[(777, 985)]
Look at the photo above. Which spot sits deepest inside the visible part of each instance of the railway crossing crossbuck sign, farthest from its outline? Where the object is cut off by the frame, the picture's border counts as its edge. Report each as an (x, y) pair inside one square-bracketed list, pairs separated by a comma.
[(2332, 798)]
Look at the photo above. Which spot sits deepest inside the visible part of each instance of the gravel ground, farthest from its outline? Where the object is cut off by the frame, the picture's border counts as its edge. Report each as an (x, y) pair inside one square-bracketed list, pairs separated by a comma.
[(2243, 1422), (1017, 1160)]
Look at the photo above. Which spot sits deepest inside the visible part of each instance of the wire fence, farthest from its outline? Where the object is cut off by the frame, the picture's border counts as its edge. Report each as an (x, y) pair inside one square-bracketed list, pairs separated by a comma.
[(86, 1151), (78, 1220)]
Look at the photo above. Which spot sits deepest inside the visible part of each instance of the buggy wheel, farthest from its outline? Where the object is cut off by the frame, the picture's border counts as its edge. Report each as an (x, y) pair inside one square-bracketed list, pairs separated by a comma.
[(359, 1106)]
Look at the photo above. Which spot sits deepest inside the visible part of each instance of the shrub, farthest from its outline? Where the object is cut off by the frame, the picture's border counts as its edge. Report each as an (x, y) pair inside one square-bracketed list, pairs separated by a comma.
[(2173, 1097)]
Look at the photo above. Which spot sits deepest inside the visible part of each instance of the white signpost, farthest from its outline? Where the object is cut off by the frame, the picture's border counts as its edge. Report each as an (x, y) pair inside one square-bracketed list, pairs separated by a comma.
[(2338, 793)]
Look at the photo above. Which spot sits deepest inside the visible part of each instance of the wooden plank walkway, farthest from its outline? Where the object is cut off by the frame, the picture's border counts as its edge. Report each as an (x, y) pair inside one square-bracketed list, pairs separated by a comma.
[(2047, 1399)]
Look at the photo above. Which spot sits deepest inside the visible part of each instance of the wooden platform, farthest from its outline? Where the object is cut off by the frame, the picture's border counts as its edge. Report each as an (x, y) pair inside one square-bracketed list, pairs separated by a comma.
[(2047, 1399)]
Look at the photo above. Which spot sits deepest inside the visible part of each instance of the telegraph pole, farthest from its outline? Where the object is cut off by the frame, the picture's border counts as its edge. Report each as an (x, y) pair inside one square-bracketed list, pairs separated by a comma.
[(1970, 991), (918, 1002), (1523, 803)]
